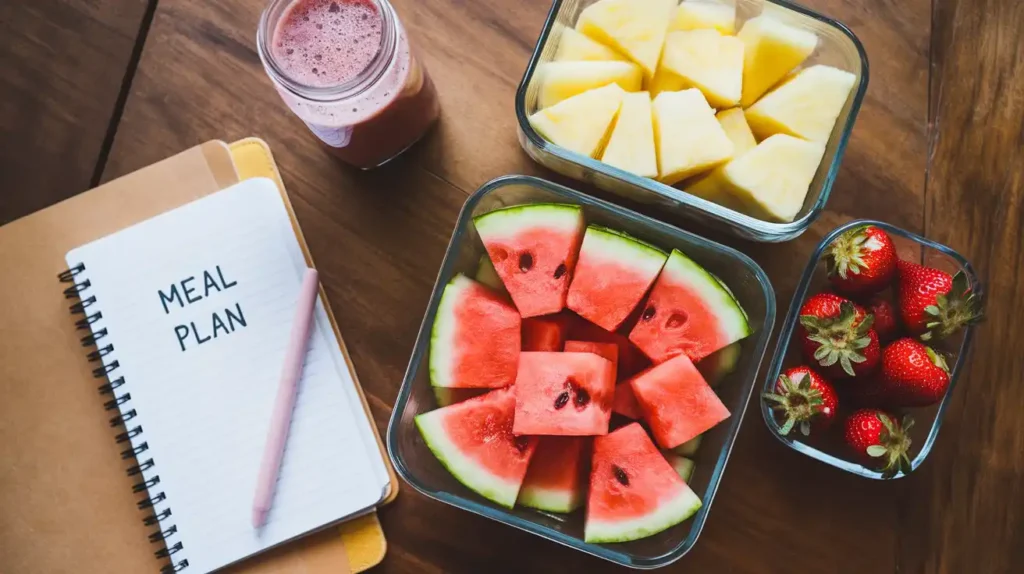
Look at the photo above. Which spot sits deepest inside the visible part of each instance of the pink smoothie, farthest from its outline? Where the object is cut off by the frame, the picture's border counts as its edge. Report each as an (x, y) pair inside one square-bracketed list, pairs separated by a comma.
[(326, 43)]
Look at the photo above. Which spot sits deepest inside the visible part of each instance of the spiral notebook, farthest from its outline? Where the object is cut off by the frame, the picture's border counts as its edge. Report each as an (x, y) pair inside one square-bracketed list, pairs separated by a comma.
[(190, 313)]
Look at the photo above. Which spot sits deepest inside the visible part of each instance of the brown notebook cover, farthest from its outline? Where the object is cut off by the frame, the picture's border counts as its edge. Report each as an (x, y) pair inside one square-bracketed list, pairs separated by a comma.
[(67, 503)]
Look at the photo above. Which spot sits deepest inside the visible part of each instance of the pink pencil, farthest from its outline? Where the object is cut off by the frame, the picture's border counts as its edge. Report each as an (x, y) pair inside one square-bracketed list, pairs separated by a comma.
[(281, 418)]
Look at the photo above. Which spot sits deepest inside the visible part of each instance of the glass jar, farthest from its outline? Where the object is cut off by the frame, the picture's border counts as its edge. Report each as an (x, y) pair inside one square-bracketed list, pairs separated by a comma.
[(368, 103)]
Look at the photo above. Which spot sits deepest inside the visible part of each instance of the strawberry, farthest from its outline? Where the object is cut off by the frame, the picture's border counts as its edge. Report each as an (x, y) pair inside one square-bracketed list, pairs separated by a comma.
[(885, 318), (875, 435), (837, 335), (804, 398), (861, 261), (933, 304), (913, 375)]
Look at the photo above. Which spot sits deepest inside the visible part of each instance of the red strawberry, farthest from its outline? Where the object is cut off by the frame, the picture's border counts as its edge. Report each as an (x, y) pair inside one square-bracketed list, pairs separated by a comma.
[(933, 304), (861, 261), (875, 435), (913, 375), (885, 318), (804, 398), (837, 334)]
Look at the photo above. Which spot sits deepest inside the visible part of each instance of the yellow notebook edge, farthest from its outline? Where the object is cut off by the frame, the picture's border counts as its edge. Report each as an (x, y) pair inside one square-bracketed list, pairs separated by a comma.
[(363, 537)]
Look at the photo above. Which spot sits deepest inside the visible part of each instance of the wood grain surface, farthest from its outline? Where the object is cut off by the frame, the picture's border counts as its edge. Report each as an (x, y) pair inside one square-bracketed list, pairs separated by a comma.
[(378, 238), (62, 66)]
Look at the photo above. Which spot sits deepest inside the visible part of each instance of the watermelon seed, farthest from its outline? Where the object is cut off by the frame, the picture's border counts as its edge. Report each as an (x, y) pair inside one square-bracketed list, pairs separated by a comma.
[(620, 475), (648, 313), (499, 254), (677, 320), (525, 262), (582, 398), (560, 270), (521, 443), (562, 400)]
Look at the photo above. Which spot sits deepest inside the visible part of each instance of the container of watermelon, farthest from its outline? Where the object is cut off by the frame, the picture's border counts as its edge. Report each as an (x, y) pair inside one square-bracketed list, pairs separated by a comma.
[(417, 464)]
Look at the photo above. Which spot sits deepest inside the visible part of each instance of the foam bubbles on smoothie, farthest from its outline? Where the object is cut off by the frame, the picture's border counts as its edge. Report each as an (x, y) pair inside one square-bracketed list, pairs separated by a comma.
[(309, 36)]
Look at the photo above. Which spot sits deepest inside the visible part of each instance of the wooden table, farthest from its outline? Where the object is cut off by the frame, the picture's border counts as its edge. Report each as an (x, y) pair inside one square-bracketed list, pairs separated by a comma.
[(94, 90)]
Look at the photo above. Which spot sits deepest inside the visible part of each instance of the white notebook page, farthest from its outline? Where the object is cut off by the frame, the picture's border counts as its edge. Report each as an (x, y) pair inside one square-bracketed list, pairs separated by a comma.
[(201, 359)]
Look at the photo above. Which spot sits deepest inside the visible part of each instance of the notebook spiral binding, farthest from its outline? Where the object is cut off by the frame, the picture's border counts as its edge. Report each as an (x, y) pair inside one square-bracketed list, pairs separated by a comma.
[(136, 446)]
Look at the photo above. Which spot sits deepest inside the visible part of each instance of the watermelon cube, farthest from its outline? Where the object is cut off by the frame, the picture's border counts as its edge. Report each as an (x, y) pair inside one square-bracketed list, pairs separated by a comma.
[(555, 479), (474, 441), (534, 249), (612, 276), (563, 394), (625, 402), (690, 312), (634, 491), (677, 402), (543, 334), (474, 342)]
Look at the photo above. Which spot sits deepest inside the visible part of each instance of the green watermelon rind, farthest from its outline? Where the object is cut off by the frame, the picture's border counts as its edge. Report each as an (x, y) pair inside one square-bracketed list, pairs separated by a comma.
[(509, 221), (721, 363), (668, 514), (732, 319), (442, 333), (623, 247), (689, 448), (682, 465), (486, 275), (466, 471), (551, 500)]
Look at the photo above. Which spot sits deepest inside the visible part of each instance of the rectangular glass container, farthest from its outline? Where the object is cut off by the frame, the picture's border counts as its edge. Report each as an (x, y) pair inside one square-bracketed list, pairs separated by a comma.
[(417, 465), (837, 46), (927, 420)]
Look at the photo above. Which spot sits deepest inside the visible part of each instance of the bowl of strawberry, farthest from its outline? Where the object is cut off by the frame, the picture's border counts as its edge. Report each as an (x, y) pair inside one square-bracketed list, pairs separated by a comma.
[(870, 351)]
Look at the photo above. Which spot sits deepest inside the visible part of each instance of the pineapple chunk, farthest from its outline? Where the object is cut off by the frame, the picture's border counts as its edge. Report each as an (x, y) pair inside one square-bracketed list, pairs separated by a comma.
[(581, 123), (634, 27), (771, 180), (773, 49), (688, 138), (712, 186), (561, 80), (704, 15), (576, 47), (665, 80), (805, 106), (631, 146), (708, 61)]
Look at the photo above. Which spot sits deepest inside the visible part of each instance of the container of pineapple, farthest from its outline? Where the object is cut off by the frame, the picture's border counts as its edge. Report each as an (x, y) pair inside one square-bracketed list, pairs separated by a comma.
[(739, 121)]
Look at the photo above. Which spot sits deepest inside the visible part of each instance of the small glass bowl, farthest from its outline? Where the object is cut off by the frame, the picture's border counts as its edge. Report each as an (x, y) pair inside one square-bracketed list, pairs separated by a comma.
[(418, 466), (837, 46), (831, 449)]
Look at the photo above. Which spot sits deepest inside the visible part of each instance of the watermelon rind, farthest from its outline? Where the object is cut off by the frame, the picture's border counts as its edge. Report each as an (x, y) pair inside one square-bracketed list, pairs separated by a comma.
[(465, 470), (487, 275), (442, 334), (682, 465), (720, 364), (509, 221), (623, 247), (732, 319), (550, 499), (668, 514), (689, 448)]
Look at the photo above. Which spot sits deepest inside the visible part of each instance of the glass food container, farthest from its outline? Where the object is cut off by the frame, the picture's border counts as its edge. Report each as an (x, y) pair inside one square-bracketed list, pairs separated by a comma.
[(418, 466), (837, 46), (831, 449)]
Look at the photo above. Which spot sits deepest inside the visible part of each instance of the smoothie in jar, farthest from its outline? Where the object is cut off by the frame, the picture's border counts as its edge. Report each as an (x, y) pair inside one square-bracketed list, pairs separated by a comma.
[(346, 69)]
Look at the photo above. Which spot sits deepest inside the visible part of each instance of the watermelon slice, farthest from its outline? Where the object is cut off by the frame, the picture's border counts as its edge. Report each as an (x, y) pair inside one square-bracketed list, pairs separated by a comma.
[(689, 448), (563, 394), (543, 334), (487, 275), (720, 364), (634, 491), (612, 276), (609, 351), (683, 465), (449, 396), (625, 402), (631, 360), (475, 339), (676, 401), (534, 249), (688, 312), (554, 481), (474, 441)]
